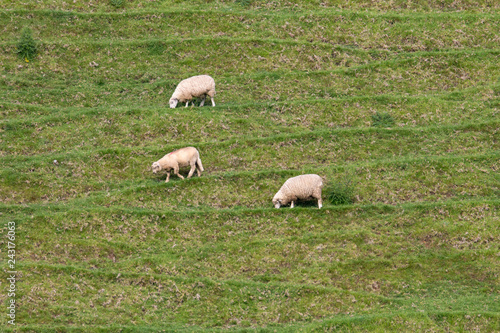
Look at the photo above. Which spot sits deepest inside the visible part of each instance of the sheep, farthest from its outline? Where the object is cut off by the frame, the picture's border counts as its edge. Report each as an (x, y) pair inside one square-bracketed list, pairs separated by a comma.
[(183, 157), (195, 86), (300, 187)]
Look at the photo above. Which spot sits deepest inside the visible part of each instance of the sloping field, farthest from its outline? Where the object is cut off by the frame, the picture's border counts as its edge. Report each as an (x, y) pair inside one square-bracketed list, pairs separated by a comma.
[(104, 245)]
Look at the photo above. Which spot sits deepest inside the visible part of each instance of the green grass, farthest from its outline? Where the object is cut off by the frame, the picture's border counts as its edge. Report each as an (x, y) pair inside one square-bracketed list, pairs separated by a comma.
[(400, 98)]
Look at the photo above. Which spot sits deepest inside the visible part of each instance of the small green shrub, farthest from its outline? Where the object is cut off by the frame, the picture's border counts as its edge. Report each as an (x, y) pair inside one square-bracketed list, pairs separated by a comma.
[(341, 192), (382, 120), (27, 47), (117, 3)]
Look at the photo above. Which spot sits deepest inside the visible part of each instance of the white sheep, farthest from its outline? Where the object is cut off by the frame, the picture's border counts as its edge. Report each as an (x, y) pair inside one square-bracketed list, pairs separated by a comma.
[(183, 157), (301, 187), (195, 86)]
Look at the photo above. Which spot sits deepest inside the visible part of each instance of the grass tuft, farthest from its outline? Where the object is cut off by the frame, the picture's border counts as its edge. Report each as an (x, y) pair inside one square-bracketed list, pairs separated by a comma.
[(341, 192)]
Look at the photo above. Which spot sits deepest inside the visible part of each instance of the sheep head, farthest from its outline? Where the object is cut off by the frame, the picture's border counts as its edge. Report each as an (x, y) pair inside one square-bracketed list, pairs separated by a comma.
[(278, 200), (173, 102), (276, 203), (156, 167)]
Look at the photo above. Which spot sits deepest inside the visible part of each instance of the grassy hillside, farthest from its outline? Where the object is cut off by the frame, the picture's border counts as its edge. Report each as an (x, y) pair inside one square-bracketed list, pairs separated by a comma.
[(104, 245)]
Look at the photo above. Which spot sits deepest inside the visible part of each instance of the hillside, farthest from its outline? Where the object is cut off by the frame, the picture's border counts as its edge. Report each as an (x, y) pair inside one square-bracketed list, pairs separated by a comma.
[(104, 245)]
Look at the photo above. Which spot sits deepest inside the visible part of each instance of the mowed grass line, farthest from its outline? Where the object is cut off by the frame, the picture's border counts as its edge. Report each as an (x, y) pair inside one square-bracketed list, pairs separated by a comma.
[(212, 241), (238, 192), (193, 301), (109, 174), (273, 242), (460, 69), (187, 300), (431, 320), (175, 294), (91, 85), (130, 127), (291, 7), (339, 27), (106, 131), (468, 101)]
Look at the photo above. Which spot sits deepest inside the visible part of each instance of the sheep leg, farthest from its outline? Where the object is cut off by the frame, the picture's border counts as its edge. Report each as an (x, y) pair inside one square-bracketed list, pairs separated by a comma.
[(317, 195), (193, 167), (176, 172), (203, 100), (168, 177), (292, 204), (187, 103), (199, 167), (212, 99)]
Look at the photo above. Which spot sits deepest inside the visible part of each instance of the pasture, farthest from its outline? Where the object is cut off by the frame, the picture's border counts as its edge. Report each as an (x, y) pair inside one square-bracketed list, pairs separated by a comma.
[(105, 245)]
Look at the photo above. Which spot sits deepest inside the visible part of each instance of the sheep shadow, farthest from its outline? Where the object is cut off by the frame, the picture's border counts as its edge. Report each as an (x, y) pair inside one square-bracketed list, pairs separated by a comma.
[(161, 177), (305, 203)]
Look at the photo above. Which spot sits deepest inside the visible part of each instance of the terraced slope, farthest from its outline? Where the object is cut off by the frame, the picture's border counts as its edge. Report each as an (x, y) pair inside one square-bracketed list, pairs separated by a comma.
[(103, 245)]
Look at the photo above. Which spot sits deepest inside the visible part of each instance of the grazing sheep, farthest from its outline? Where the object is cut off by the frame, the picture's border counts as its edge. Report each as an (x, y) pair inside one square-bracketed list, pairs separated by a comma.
[(195, 86), (300, 187), (183, 157)]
